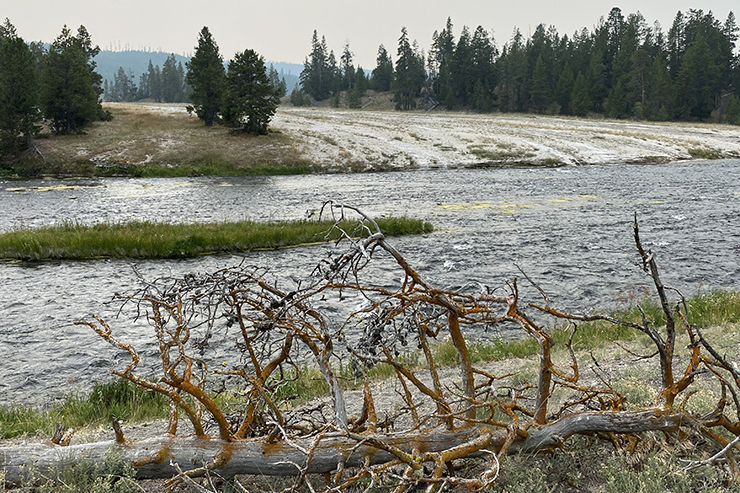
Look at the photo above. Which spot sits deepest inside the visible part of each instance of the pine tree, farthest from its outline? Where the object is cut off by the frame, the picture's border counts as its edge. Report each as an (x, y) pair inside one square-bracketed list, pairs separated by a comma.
[(462, 76), (250, 100), (409, 75), (580, 99), (207, 78), (70, 86), (154, 78), (441, 62), (18, 93), (317, 77), (695, 80), (483, 70), (564, 89), (539, 89), (348, 69), (513, 90), (618, 103), (298, 97), (172, 81), (277, 82), (382, 77)]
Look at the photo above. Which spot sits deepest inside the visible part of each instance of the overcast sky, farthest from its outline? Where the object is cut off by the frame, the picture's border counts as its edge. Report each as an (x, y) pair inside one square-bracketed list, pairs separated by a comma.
[(280, 30)]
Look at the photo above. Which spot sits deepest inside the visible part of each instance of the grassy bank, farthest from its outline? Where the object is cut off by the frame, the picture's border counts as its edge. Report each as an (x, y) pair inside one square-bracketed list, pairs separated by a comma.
[(145, 239), (121, 399), (159, 140)]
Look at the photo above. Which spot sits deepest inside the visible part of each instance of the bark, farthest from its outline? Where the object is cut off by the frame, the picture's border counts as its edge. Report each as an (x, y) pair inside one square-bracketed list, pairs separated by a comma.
[(154, 457)]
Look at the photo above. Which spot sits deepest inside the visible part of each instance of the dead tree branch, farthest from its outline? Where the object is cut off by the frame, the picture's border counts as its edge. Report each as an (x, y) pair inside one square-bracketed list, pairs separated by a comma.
[(283, 334)]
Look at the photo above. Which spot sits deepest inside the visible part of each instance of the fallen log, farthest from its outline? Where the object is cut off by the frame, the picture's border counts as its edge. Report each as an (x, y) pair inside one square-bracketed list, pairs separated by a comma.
[(154, 457)]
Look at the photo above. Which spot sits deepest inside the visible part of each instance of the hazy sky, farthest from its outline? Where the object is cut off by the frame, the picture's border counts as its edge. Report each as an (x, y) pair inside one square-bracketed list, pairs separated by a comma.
[(281, 30)]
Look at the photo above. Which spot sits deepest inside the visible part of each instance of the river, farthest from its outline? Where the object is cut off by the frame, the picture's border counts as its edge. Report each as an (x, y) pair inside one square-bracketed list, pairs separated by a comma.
[(569, 229)]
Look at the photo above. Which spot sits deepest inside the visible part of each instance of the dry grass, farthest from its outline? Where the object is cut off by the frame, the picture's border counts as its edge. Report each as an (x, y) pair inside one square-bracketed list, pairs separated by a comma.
[(144, 137)]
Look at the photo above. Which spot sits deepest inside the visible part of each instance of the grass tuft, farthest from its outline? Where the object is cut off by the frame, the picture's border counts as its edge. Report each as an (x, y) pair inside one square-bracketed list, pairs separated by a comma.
[(117, 399)]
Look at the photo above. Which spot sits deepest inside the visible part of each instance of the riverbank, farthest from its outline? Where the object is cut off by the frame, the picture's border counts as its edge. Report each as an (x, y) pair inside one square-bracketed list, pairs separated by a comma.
[(716, 313), (154, 240), (153, 139), (591, 463)]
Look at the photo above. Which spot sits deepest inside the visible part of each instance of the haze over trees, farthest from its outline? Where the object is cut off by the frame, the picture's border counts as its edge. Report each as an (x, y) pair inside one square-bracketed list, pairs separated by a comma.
[(622, 68)]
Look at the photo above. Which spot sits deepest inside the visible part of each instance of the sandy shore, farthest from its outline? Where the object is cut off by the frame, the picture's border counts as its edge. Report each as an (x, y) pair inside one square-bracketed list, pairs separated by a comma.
[(339, 140)]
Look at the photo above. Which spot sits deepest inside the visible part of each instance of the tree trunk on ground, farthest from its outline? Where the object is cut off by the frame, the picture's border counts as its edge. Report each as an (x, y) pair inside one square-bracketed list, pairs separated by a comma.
[(154, 457)]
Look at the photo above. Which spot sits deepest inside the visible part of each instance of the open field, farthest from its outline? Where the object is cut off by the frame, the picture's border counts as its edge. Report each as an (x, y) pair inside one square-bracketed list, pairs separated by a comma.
[(163, 139), (337, 140)]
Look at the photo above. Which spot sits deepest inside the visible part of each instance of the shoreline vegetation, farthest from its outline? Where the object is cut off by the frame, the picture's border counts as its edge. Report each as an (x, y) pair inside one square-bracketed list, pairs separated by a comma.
[(716, 311), (159, 240)]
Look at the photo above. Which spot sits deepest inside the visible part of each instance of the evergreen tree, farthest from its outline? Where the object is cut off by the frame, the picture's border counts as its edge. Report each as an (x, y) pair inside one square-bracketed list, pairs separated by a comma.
[(143, 91), (207, 78), (361, 81), (513, 90), (335, 75), (172, 81), (539, 90), (462, 75), (70, 86), (348, 69), (580, 99), (564, 89), (281, 88), (441, 62), (123, 87), (317, 77), (298, 97), (251, 100), (409, 75), (618, 103), (185, 90), (695, 80), (18, 93), (154, 79), (660, 93), (596, 78), (483, 70), (382, 77)]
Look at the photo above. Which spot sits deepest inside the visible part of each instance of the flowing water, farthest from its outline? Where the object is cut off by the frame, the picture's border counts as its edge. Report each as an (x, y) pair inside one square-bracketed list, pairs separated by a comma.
[(569, 229)]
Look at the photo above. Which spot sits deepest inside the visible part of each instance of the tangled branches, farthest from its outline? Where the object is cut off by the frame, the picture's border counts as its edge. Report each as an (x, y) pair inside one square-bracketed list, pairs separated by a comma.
[(284, 334)]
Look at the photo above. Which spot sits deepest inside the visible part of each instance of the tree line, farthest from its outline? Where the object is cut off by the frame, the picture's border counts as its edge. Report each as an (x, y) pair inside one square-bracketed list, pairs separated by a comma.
[(59, 89), (623, 68), (162, 85), (167, 84)]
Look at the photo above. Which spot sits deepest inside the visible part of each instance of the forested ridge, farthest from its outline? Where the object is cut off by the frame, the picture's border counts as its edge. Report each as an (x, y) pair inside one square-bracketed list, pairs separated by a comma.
[(622, 68)]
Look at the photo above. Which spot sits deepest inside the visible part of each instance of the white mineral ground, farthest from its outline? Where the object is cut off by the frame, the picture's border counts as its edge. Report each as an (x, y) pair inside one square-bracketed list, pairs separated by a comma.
[(385, 140)]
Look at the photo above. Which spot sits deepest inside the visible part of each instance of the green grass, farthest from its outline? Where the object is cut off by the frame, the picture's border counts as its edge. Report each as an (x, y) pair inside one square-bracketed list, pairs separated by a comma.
[(705, 153), (117, 399), (146, 239), (710, 309)]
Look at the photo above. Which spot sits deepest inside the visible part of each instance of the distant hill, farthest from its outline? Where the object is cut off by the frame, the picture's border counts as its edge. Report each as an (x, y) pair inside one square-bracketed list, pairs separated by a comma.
[(134, 60), (137, 61)]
